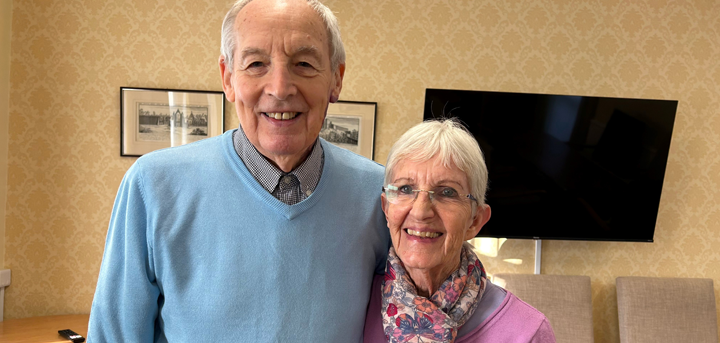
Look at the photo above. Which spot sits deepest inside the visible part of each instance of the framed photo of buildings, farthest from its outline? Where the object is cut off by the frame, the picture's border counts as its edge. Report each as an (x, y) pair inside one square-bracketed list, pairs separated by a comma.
[(351, 125), (152, 119)]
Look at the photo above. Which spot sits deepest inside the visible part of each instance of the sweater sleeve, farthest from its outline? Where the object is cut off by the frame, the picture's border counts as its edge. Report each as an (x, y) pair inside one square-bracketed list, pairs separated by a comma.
[(544, 334), (125, 305)]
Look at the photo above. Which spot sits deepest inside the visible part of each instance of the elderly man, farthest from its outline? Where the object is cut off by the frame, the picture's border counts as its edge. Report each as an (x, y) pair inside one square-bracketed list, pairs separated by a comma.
[(264, 234)]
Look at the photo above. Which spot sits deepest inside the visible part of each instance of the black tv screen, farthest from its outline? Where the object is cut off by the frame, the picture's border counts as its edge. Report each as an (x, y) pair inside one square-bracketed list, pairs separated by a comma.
[(566, 167)]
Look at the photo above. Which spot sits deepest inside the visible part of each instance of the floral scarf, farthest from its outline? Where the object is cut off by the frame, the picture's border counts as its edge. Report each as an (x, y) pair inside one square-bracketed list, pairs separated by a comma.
[(408, 317)]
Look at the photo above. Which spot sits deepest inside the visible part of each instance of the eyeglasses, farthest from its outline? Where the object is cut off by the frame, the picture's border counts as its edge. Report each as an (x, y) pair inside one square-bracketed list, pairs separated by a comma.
[(444, 196)]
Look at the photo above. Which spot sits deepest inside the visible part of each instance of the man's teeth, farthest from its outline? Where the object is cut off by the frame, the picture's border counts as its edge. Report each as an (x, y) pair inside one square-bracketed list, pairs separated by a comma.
[(282, 115), (423, 234)]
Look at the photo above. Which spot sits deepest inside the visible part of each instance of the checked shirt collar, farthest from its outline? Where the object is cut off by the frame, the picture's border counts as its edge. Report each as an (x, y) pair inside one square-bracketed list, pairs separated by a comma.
[(290, 188)]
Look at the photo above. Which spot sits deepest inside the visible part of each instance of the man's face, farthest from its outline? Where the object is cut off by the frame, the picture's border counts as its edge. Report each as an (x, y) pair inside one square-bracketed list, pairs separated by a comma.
[(281, 80)]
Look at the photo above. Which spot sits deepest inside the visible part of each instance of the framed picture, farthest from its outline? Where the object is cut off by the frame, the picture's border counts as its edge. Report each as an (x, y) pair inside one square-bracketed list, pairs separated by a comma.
[(351, 125), (152, 119)]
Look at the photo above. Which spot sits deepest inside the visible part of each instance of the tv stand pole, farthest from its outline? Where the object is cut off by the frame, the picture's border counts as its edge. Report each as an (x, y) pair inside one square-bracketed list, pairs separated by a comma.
[(538, 255)]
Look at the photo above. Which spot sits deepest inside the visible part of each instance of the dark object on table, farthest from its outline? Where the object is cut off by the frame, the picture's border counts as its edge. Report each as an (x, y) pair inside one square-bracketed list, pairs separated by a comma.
[(71, 335)]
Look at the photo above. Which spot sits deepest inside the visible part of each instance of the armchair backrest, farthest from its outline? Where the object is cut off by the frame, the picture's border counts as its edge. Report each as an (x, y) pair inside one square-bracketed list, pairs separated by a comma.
[(566, 300), (654, 309)]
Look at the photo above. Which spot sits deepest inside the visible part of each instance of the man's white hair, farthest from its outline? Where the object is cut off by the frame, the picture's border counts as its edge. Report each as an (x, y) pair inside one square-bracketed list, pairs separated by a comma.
[(451, 142), (337, 49)]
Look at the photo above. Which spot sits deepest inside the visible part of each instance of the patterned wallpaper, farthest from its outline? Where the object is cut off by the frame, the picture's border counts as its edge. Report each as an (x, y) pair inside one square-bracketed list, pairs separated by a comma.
[(5, 19), (69, 59)]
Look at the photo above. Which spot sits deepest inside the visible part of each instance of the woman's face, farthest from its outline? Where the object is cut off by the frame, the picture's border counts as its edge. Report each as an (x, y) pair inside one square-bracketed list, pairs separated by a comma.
[(429, 234)]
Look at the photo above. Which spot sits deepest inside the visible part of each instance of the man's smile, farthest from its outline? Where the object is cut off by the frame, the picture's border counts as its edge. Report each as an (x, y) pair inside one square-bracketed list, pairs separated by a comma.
[(281, 115)]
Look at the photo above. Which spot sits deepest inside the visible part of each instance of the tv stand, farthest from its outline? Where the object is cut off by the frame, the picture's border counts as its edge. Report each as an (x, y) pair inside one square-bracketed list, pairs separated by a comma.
[(538, 255)]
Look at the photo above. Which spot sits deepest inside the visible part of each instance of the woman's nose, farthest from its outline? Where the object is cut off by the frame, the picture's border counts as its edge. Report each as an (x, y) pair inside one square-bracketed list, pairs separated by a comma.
[(422, 207)]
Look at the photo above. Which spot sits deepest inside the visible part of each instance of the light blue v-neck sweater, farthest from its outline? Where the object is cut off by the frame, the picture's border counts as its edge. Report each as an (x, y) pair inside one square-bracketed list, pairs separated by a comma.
[(198, 251)]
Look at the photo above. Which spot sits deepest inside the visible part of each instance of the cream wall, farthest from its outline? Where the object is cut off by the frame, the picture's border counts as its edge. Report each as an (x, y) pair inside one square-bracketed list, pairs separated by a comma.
[(70, 58), (5, 19)]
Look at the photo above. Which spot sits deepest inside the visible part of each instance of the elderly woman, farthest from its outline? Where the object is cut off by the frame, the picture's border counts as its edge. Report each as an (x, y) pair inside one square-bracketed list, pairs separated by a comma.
[(434, 288)]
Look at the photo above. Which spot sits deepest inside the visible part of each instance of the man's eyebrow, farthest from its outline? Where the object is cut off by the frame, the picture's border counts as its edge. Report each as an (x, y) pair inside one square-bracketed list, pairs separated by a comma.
[(309, 50), (251, 51)]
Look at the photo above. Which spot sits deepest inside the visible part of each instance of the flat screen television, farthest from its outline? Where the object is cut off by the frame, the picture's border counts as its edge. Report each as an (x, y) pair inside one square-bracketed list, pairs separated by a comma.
[(566, 167)]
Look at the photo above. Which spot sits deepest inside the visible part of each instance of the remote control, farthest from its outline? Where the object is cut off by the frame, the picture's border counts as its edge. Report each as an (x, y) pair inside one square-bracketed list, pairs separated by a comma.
[(71, 335)]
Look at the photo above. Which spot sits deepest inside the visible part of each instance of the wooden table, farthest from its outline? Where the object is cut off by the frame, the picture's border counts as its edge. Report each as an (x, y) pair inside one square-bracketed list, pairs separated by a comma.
[(42, 329)]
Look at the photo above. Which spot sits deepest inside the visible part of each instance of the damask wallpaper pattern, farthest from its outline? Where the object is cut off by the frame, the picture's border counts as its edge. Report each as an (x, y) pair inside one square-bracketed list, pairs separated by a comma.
[(69, 59), (5, 33)]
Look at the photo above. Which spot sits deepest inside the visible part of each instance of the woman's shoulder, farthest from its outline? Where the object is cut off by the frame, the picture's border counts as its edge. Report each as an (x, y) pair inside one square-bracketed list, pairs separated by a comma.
[(518, 308), (513, 321)]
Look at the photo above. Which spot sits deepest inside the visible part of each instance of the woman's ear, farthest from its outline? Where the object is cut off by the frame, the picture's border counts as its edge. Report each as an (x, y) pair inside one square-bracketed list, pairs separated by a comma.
[(482, 215), (384, 204)]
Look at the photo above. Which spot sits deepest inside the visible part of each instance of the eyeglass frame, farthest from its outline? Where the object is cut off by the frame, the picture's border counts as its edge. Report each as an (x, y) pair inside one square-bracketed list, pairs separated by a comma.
[(431, 194)]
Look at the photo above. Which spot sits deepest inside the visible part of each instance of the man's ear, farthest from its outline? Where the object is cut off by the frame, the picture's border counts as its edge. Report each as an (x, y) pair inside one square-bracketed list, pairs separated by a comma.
[(482, 215), (337, 83), (226, 75)]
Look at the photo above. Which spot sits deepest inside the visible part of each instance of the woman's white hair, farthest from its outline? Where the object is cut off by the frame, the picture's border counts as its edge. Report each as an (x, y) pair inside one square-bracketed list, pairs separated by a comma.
[(451, 142), (337, 49)]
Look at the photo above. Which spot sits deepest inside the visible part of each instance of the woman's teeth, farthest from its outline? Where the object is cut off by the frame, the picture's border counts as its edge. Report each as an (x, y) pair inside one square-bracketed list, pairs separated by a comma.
[(282, 115), (423, 234)]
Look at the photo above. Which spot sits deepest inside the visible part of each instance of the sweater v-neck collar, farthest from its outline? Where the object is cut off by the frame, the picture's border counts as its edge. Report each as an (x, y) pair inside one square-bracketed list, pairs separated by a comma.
[(261, 194)]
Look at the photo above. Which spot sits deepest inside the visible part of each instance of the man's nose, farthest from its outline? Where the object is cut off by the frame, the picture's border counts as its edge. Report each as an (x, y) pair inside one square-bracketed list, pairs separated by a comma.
[(281, 84)]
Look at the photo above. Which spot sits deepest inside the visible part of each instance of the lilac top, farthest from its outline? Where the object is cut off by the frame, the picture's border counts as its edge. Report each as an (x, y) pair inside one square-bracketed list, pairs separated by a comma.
[(506, 319)]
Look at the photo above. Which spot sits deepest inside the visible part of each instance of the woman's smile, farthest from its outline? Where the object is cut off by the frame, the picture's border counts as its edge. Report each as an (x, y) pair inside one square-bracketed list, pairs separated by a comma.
[(423, 235)]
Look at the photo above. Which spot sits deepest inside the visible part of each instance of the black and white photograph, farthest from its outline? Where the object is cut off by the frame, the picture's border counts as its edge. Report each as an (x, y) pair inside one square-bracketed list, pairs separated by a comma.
[(351, 125), (153, 119), (342, 131), (162, 122)]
